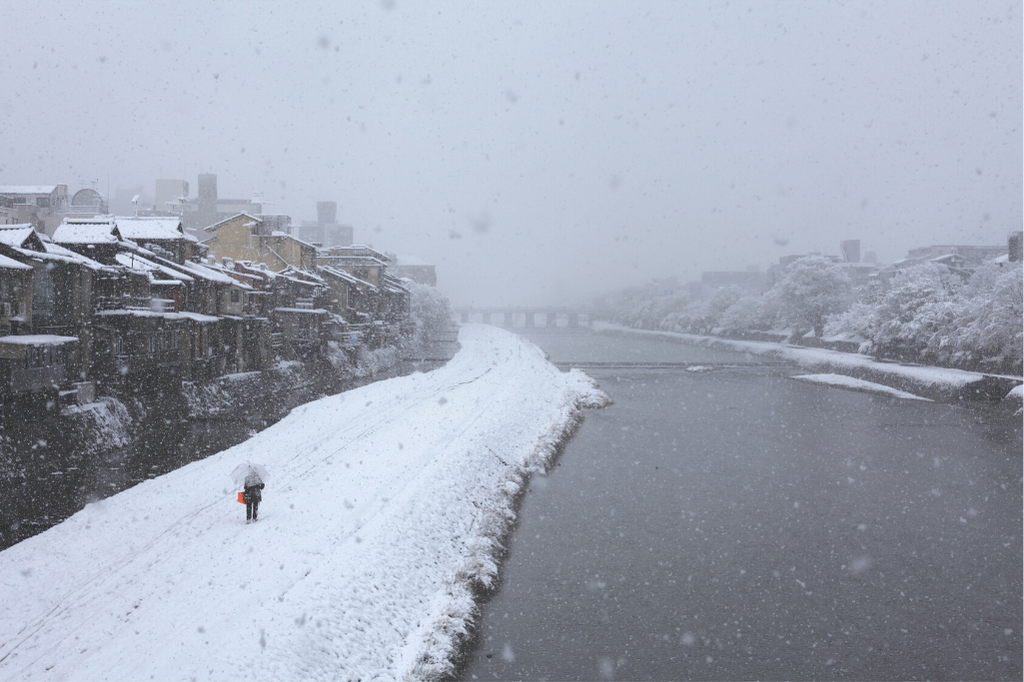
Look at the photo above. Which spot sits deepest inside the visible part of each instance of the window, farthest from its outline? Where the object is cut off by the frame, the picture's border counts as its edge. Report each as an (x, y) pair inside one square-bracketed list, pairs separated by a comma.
[(235, 295), (169, 340), (39, 356)]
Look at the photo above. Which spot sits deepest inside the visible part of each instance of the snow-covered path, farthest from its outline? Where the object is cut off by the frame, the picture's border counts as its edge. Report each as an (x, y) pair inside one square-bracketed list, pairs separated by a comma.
[(383, 508)]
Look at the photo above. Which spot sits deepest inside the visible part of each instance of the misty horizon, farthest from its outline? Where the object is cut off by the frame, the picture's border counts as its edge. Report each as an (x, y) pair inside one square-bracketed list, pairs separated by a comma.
[(543, 154)]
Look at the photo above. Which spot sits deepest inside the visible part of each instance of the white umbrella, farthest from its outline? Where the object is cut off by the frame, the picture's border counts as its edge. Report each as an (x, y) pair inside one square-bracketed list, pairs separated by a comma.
[(249, 474)]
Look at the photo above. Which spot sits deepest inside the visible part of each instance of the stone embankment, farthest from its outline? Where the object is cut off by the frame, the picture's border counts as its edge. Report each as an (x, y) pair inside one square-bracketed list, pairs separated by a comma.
[(54, 463)]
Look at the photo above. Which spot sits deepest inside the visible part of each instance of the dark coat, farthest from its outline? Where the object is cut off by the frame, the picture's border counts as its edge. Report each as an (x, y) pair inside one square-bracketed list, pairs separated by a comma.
[(253, 494)]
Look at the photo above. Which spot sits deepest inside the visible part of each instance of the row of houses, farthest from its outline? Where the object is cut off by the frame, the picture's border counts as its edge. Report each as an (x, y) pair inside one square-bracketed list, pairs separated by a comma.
[(108, 302)]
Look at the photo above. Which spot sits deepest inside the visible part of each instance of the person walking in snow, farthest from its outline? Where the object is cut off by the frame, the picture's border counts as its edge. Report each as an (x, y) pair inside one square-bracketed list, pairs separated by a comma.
[(252, 495)]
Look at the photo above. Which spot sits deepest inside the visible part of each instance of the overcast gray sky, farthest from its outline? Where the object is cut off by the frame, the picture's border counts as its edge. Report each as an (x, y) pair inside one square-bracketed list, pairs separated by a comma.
[(542, 151)]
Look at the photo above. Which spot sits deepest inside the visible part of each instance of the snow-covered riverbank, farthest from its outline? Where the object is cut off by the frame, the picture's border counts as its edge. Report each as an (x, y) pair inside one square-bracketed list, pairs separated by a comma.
[(934, 383), (384, 510)]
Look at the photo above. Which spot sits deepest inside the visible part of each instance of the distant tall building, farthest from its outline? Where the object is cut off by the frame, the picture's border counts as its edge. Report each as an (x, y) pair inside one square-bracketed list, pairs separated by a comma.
[(209, 209), (338, 235), (851, 250), (326, 231), (326, 212), (169, 194), (1014, 246), (311, 232)]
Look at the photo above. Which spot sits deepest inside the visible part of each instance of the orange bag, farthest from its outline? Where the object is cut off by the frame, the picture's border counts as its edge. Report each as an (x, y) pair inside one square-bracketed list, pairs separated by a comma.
[(241, 497)]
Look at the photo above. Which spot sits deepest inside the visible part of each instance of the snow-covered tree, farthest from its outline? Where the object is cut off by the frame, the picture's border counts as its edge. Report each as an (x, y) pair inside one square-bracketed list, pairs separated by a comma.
[(643, 306), (915, 307), (430, 311), (811, 289), (986, 326), (854, 323), (748, 312), (701, 315)]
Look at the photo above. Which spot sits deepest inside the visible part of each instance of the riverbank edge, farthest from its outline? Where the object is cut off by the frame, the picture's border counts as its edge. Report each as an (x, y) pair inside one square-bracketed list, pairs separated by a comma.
[(940, 384)]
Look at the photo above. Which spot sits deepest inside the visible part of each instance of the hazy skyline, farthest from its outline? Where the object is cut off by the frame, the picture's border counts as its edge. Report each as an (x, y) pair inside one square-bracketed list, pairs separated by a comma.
[(543, 152)]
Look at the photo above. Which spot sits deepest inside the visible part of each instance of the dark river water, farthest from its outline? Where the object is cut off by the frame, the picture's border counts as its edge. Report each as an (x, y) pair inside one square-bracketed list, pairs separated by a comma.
[(727, 522)]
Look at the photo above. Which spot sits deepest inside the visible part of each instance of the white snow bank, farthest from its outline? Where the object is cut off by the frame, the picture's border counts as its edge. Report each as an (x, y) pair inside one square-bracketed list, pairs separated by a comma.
[(857, 384), (384, 508), (939, 380)]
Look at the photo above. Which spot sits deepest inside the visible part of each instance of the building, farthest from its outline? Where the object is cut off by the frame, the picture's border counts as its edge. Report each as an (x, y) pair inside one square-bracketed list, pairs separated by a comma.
[(972, 255), (88, 203), (44, 206), (850, 249), (1013, 247), (208, 208), (161, 234), (37, 366), (15, 295), (358, 260), (409, 267), (245, 237), (95, 238)]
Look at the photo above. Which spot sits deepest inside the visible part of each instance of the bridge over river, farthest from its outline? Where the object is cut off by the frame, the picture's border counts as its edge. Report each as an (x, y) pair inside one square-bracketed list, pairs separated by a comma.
[(526, 317)]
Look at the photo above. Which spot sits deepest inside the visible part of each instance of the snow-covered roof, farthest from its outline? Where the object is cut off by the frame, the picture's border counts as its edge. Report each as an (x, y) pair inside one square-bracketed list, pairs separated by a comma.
[(340, 274), (356, 261), (195, 317), (311, 311), (216, 226), (16, 235), (11, 264), (284, 236), (204, 272), (233, 275), (257, 270), (87, 232), (136, 262), (393, 285), (27, 189), (410, 260), (303, 276), (162, 229), (56, 253), (37, 340), (361, 250)]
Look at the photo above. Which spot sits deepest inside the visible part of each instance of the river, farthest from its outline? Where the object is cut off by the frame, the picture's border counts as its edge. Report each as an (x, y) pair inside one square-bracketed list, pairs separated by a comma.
[(722, 521)]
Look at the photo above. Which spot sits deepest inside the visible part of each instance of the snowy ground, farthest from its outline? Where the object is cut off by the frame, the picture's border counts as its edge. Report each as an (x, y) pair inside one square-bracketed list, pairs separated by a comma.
[(382, 512)]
